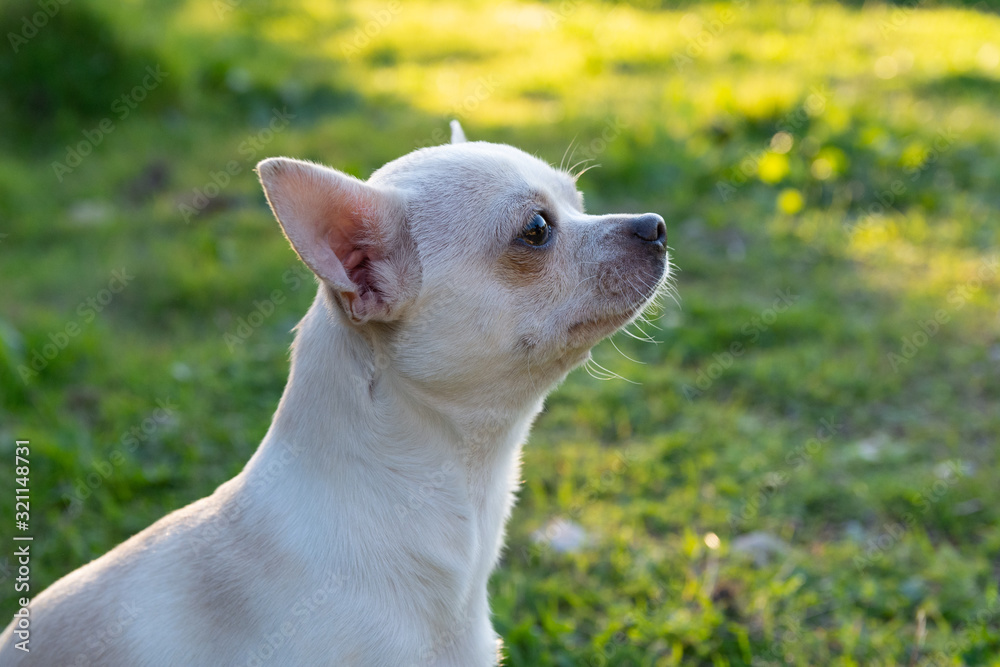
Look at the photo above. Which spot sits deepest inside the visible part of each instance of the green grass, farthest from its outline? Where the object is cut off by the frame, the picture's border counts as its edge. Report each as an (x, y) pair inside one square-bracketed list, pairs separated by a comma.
[(858, 423)]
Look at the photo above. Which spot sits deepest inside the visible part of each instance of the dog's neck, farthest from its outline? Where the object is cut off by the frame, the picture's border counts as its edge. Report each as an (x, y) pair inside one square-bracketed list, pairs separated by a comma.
[(343, 406), (354, 463)]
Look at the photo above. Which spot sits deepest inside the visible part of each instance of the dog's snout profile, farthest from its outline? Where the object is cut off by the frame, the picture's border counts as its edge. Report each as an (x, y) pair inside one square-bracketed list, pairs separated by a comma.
[(649, 228)]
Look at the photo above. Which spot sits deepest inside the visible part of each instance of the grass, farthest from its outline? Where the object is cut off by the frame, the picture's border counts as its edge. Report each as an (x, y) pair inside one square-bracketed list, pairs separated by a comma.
[(828, 383)]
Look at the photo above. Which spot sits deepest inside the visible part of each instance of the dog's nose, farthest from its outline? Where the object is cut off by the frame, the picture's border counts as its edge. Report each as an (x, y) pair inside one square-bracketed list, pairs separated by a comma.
[(649, 228)]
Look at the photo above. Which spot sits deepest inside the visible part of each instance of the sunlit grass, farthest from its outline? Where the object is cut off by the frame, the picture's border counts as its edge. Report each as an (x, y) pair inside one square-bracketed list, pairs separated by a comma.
[(846, 156)]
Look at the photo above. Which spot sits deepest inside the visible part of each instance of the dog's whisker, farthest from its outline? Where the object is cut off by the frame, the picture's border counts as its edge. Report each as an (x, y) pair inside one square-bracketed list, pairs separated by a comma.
[(603, 375), (611, 374), (615, 345), (591, 372), (585, 170), (647, 321), (562, 162), (645, 337), (638, 338), (645, 316), (577, 174)]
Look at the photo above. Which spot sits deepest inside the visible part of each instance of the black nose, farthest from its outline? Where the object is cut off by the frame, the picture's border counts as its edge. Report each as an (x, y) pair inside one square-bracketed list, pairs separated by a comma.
[(649, 228)]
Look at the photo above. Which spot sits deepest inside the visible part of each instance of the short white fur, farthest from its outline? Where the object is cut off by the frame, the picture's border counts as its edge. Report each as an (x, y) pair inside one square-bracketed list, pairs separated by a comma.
[(365, 527)]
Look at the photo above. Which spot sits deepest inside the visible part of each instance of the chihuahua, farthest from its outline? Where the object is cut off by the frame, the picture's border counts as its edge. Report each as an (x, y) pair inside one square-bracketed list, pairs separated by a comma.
[(457, 286)]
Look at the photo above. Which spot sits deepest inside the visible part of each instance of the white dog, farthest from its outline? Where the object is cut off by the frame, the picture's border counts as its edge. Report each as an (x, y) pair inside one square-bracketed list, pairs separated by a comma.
[(457, 286)]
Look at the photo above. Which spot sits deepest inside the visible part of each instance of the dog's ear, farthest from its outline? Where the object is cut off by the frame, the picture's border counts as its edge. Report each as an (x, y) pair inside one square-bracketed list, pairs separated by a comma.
[(351, 234), (457, 133)]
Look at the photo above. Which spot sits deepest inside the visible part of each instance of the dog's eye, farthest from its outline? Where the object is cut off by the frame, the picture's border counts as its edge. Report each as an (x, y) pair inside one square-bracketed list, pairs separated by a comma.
[(536, 232)]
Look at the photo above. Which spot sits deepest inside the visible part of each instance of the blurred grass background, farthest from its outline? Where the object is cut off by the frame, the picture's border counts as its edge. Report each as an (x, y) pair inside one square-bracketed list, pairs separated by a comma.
[(801, 471)]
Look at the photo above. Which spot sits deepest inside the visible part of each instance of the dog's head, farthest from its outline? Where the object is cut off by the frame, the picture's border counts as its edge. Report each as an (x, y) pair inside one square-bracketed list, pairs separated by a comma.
[(470, 265)]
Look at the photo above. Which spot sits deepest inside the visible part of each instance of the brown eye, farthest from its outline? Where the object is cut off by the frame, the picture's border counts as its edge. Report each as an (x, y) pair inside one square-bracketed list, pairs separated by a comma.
[(536, 232)]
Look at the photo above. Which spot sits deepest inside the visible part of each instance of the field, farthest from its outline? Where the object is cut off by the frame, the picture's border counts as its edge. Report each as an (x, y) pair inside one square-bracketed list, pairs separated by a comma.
[(801, 469)]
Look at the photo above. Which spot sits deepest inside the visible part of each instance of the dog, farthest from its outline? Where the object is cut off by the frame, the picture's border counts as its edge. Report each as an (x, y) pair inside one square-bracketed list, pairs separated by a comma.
[(456, 288)]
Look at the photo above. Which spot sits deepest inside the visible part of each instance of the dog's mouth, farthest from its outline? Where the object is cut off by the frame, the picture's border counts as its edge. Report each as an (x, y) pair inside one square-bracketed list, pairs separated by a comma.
[(589, 331), (596, 327)]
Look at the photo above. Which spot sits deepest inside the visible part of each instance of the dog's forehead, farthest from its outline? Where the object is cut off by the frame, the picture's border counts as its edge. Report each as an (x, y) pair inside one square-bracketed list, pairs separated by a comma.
[(479, 169)]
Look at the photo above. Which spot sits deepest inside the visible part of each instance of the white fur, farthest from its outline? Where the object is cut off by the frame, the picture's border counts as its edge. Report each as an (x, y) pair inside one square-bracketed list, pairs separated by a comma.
[(365, 527)]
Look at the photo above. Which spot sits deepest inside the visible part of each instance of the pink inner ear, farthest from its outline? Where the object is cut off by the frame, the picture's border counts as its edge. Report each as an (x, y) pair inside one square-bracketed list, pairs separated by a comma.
[(354, 254), (325, 263), (323, 214), (353, 259), (356, 266), (322, 221)]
